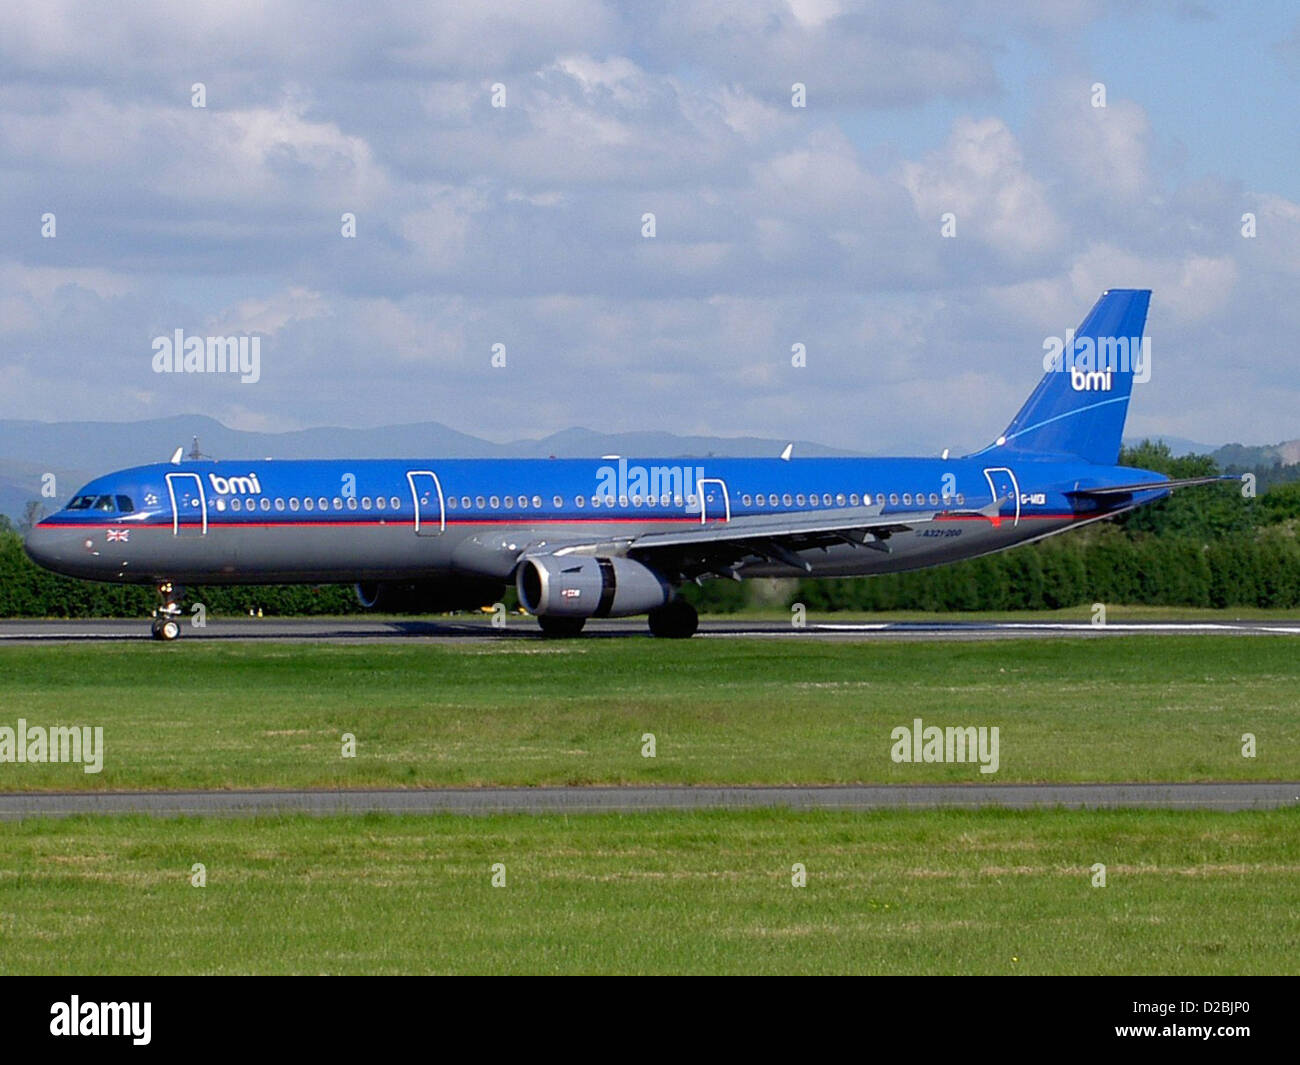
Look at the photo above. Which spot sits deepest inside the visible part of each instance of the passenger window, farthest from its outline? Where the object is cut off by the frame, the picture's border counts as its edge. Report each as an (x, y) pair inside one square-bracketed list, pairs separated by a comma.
[(464, 502), (352, 503), (747, 500), (307, 504), (394, 502), (323, 503), (480, 502), (880, 498), (236, 504), (365, 503), (800, 499), (839, 500), (771, 500), (853, 499), (495, 502), (338, 503), (786, 499), (907, 499), (537, 502), (293, 503), (380, 502), (893, 499), (558, 502), (934, 499), (812, 499), (580, 501), (510, 502), (961, 499), (451, 503), (279, 504)]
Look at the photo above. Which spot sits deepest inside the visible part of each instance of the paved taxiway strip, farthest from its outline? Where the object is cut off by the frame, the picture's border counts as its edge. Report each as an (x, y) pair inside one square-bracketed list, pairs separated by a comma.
[(1215, 796), (459, 630)]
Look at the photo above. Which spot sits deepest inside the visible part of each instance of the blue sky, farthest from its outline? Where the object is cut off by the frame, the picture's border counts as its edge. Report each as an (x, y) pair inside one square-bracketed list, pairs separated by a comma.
[(774, 225)]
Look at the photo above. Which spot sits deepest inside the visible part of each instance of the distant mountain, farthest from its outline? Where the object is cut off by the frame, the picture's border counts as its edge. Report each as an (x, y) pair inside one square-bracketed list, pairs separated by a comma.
[(1243, 456), (77, 451), (1177, 444)]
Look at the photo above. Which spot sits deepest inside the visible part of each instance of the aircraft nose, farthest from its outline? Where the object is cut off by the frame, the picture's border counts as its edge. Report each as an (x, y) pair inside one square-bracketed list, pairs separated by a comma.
[(61, 550), (40, 548)]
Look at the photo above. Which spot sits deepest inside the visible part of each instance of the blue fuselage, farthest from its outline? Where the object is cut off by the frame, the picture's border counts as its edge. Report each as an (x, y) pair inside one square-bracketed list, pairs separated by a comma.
[(369, 520)]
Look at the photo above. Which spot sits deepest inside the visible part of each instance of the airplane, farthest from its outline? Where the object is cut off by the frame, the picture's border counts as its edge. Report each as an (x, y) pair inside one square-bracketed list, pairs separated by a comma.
[(613, 537)]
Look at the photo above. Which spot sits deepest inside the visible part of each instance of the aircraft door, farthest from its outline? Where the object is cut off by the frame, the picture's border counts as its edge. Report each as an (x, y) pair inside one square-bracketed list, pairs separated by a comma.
[(430, 507), (1003, 483), (189, 504), (715, 504)]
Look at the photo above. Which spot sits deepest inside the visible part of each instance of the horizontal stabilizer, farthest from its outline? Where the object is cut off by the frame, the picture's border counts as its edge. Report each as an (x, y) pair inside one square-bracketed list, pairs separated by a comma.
[(1111, 490)]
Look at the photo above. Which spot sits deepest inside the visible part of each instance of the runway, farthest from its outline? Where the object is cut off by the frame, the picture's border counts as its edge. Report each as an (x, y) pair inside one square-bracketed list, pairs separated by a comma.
[(578, 800), (471, 628)]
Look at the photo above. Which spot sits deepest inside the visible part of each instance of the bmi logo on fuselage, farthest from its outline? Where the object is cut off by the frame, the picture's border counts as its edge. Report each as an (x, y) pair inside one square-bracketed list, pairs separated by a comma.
[(245, 486)]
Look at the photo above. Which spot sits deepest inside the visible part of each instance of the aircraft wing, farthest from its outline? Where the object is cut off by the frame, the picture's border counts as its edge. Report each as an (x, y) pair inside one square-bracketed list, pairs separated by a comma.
[(720, 546)]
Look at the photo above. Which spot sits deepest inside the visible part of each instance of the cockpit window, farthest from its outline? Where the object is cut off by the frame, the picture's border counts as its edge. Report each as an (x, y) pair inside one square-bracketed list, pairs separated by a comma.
[(106, 504)]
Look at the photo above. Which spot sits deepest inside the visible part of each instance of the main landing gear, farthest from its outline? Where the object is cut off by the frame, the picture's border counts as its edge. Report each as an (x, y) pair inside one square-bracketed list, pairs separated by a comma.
[(167, 615), (558, 627), (676, 620)]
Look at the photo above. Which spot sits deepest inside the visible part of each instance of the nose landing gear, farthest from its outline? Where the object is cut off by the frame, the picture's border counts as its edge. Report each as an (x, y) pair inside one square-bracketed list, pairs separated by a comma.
[(167, 615)]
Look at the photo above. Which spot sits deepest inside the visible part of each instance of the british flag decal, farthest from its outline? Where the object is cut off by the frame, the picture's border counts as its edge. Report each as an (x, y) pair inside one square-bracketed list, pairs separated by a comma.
[(119, 536)]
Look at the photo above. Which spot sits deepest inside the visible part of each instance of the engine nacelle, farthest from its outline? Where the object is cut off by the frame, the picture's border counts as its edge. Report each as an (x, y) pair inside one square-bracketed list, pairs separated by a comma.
[(583, 587), (428, 597)]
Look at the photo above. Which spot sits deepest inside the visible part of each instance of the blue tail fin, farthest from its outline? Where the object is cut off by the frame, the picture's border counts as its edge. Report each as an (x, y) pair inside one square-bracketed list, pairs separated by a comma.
[(1079, 406)]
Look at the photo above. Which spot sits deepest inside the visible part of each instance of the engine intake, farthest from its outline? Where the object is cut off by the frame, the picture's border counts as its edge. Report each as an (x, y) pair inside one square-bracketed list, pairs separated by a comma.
[(584, 587)]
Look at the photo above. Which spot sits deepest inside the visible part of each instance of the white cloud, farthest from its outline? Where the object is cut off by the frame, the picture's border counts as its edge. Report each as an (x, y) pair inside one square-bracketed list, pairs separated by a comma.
[(980, 176)]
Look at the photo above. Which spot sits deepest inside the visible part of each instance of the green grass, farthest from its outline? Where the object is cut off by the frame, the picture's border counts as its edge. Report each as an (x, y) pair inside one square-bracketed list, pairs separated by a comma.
[(255, 715), (1115, 614), (901, 892)]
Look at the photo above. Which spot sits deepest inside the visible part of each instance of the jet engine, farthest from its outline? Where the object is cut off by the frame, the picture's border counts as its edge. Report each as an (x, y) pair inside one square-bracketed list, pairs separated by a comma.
[(584, 587)]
